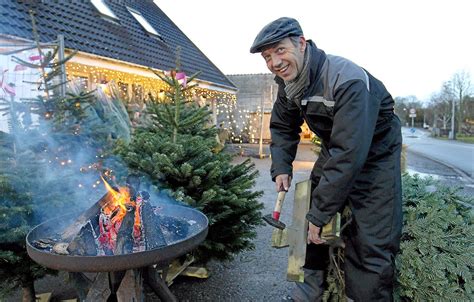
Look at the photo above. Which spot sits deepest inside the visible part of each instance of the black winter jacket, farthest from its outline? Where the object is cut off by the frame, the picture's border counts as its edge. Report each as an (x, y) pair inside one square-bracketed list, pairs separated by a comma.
[(346, 107)]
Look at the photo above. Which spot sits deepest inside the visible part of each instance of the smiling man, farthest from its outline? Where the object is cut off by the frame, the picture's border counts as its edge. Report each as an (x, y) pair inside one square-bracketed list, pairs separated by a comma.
[(358, 166)]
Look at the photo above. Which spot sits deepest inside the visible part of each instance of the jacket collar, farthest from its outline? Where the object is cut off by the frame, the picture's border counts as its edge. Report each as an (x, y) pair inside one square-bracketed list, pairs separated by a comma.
[(318, 57)]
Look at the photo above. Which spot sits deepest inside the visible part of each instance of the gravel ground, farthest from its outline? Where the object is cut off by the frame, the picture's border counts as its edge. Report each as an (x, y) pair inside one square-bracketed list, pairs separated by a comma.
[(260, 274)]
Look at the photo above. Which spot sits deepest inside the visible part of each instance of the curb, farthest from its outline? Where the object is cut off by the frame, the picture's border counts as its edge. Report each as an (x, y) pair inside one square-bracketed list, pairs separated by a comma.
[(458, 171)]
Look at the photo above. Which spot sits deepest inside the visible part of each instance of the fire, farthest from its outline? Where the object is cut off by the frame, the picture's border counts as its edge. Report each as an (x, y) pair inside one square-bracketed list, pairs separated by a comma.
[(120, 200), (113, 213), (111, 216)]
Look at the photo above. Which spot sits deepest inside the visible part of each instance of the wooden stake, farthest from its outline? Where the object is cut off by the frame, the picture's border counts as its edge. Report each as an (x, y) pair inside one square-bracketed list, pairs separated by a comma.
[(297, 233)]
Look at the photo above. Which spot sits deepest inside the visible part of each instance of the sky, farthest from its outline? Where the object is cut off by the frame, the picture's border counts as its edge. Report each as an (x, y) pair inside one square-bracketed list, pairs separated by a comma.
[(412, 46)]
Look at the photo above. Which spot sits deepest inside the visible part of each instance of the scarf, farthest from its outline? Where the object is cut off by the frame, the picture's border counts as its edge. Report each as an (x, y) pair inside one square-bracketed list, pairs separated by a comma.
[(296, 88)]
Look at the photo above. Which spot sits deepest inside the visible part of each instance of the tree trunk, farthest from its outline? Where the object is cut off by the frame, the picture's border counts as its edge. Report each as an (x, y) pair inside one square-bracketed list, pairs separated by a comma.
[(29, 294)]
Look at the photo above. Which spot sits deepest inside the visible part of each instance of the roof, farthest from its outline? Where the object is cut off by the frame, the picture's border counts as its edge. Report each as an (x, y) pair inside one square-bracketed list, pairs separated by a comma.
[(87, 30)]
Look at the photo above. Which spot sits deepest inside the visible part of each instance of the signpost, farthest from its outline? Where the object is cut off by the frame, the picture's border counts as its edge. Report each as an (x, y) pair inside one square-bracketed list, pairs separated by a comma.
[(412, 115)]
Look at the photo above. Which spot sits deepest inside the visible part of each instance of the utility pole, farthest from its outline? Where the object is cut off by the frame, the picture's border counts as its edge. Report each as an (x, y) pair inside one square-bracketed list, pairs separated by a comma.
[(63, 79), (262, 105), (452, 134)]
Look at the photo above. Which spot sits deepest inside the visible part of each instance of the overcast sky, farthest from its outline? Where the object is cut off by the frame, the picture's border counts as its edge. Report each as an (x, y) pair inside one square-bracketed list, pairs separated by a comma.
[(413, 46)]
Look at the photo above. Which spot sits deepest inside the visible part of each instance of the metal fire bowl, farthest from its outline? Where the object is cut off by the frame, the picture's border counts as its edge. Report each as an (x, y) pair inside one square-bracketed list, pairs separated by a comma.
[(159, 256)]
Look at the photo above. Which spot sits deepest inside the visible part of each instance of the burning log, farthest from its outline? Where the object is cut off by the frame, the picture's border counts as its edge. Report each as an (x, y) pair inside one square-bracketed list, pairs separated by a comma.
[(75, 227), (119, 223), (84, 243), (125, 242), (61, 248)]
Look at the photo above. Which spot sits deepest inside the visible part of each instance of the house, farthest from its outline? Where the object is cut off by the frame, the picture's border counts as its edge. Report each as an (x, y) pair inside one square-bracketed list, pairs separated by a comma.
[(251, 115), (116, 40), (255, 99)]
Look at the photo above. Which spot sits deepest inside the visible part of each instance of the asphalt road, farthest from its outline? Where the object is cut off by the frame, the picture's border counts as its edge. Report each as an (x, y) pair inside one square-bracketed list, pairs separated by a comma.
[(456, 155), (450, 162)]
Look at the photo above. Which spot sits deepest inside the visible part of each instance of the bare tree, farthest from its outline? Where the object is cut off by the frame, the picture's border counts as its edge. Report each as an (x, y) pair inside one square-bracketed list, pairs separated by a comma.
[(441, 103), (403, 106), (461, 83)]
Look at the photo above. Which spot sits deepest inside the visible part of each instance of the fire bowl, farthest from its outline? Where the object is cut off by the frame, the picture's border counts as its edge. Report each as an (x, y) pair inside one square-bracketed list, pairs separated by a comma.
[(160, 256)]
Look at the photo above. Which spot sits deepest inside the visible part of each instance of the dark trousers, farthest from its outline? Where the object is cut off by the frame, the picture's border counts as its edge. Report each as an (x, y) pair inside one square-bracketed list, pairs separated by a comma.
[(372, 239)]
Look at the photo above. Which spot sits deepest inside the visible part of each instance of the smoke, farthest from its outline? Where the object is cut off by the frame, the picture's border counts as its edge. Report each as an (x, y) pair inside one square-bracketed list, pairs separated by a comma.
[(62, 149)]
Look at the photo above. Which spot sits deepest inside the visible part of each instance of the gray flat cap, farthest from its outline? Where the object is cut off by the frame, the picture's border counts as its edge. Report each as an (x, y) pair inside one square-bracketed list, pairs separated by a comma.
[(275, 31)]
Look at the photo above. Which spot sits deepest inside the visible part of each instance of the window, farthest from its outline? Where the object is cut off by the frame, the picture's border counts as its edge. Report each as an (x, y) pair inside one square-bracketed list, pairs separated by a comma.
[(103, 8), (143, 22)]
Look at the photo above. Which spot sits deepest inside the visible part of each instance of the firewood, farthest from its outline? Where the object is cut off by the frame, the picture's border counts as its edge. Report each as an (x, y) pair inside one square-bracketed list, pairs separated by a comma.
[(124, 243), (61, 248), (76, 226), (152, 228), (84, 244)]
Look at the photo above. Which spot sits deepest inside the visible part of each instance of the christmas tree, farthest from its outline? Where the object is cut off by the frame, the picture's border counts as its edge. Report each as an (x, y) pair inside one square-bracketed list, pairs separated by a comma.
[(56, 147), (436, 257), (17, 217), (176, 149)]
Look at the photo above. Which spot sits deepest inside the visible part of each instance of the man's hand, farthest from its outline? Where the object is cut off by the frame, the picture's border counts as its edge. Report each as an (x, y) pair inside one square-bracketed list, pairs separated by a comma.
[(313, 234), (283, 182)]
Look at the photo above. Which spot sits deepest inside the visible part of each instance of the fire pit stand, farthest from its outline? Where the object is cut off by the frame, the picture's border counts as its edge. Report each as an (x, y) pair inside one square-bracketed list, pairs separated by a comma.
[(120, 286), (119, 277)]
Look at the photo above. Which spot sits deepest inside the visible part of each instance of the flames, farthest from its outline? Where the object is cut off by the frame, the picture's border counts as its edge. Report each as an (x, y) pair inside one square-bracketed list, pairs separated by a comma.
[(119, 199), (119, 204)]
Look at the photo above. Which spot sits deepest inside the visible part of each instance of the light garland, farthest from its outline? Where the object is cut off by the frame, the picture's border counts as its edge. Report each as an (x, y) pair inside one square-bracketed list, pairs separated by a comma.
[(140, 85), (240, 123)]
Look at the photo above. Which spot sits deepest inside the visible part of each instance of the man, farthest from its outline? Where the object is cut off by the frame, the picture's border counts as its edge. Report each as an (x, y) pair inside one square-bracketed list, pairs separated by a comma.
[(359, 163)]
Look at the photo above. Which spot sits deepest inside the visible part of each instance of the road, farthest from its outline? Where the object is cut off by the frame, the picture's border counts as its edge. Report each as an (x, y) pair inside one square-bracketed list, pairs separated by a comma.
[(456, 155)]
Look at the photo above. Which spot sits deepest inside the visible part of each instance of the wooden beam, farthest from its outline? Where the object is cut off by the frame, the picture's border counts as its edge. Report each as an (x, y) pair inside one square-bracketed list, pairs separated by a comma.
[(196, 272), (45, 297), (176, 268), (297, 233)]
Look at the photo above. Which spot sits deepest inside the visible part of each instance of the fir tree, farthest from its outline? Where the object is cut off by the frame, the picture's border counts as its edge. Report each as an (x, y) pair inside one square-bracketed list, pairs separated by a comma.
[(436, 257), (46, 166), (16, 218), (176, 149)]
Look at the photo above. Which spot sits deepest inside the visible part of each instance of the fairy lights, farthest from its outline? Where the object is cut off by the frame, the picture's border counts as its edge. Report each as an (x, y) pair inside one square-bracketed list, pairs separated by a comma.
[(240, 123), (133, 86)]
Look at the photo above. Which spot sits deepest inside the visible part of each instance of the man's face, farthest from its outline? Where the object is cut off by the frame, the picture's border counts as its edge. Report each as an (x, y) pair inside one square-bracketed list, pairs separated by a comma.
[(284, 59)]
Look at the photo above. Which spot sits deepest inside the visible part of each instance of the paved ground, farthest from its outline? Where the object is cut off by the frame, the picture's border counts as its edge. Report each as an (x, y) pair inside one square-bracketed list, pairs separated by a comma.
[(426, 167), (258, 275)]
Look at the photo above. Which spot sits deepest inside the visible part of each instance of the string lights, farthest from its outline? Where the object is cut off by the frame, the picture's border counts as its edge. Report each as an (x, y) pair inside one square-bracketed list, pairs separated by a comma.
[(241, 124)]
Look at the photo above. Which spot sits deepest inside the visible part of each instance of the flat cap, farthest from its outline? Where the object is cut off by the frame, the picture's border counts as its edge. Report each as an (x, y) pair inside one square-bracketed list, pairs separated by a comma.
[(276, 31)]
